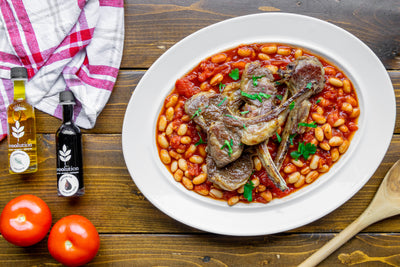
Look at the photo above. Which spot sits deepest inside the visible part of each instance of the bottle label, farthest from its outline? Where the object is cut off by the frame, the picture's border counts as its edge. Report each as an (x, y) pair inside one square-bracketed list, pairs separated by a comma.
[(19, 161), (68, 185)]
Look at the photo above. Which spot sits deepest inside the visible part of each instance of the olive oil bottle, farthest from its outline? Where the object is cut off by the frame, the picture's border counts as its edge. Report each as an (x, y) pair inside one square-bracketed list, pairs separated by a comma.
[(22, 154), (69, 151)]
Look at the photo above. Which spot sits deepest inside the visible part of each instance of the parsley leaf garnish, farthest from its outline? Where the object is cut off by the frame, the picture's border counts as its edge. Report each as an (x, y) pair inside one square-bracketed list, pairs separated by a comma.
[(221, 87), (255, 96), (309, 85), (278, 137), (280, 97), (291, 137), (319, 100), (248, 189), (244, 112), (229, 146), (197, 113), (304, 150), (223, 100), (255, 78), (234, 74), (312, 125), (291, 106), (200, 141)]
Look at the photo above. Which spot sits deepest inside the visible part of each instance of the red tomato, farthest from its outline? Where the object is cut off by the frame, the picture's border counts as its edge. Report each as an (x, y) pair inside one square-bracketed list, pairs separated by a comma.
[(73, 241), (25, 220)]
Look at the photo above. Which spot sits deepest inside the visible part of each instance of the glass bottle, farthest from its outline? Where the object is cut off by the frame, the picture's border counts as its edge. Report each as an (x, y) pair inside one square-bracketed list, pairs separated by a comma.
[(69, 151), (22, 149)]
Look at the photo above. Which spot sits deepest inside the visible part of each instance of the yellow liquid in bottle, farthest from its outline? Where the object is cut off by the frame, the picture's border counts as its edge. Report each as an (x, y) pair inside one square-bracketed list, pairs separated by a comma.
[(22, 150)]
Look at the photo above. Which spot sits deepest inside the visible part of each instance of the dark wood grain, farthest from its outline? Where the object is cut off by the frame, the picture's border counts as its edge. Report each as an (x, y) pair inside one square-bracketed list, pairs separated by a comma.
[(154, 26), (214, 250)]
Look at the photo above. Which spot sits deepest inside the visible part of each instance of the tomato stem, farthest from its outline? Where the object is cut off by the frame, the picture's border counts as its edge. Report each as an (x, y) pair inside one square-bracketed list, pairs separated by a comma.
[(68, 245), (21, 218)]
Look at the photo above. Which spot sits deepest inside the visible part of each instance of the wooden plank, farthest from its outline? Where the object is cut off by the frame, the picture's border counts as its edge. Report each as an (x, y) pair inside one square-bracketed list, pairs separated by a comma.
[(214, 250), (111, 118), (115, 205), (151, 27)]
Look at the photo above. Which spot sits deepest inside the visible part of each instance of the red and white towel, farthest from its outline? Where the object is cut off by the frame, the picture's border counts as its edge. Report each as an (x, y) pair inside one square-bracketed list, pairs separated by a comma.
[(65, 45)]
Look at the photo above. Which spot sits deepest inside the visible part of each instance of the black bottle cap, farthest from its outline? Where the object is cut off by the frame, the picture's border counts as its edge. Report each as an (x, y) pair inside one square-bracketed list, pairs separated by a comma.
[(67, 97), (19, 73)]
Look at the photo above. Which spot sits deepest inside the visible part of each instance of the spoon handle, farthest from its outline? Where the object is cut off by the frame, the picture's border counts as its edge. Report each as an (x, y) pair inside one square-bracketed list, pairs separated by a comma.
[(359, 224)]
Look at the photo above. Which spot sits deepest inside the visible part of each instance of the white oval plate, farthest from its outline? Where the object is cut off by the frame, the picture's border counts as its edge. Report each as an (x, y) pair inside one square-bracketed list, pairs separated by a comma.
[(367, 149)]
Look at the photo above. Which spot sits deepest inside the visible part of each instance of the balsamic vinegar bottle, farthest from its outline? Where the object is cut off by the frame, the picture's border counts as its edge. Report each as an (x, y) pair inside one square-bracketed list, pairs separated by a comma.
[(22, 149), (69, 151)]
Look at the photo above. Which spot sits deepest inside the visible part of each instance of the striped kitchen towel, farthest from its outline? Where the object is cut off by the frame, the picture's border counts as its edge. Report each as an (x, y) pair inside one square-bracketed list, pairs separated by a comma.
[(65, 45)]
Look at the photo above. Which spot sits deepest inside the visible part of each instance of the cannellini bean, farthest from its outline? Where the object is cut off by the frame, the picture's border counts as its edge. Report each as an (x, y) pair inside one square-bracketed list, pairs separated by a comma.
[(263, 56), (182, 163), (344, 146), (319, 110), (267, 195), (185, 118), (298, 53), (186, 140), (284, 51), (204, 86), (202, 151), (170, 129), (314, 162), (165, 158), (175, 155), (190, 151), (289, 168), (261, 188), (199, 179), (169, 113), (201, 190), (327, 130), (344, 129), (255, 181), (216, 193), (187, 183), (300, 182), (335, 82), (216, 79), (297, 163), (325, 146), (334, 154), (329, 71), (355, 113), (269, 49), (352, 101), (162, 141), (336, 141), (172, 101), (218, 58), (233, 200), (257, 163), (305, 170), (346, 86), (162, 123), (178, 175), (324, 168), (204, 168), (196, 159), (174, 166), (311, 177), (318, 118), (314, 141), (272, 68), (240, 190), (293, 177), (347, 107), (188, 175), (244, 51), (319, 134), (339, 122), (182, 130)]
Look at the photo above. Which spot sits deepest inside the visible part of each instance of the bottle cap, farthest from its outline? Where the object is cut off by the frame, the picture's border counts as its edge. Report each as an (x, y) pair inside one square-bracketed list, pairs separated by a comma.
[(67, 97), (19, 73)]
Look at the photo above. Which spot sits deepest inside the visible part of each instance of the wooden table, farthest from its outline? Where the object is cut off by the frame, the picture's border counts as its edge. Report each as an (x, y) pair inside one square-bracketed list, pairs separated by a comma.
[(132, 230)]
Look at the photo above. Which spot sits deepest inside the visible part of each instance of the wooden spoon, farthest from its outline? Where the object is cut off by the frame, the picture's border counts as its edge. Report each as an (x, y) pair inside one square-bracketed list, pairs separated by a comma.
[(386, 203)]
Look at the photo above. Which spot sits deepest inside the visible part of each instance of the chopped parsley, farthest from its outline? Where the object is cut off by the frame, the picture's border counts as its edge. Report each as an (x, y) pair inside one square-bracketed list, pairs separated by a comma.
[(255, 96), (309, 85), (244, 112), (291, 137), (312, 125), (229, 145), (278, 138), (277, 83), (244, 126), (223, 100), (304, 150), (200, 141), (248, 190), (291, 106), (234, 74), (197, 113), (221, 87), (230, 116), (319, 100), (255, 78), (280, 97)]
